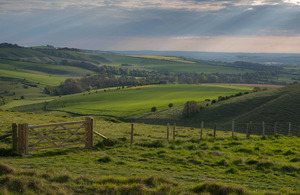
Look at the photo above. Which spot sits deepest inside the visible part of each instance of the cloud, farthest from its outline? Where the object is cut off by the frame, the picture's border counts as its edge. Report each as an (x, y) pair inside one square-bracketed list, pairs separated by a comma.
[(28, 6)]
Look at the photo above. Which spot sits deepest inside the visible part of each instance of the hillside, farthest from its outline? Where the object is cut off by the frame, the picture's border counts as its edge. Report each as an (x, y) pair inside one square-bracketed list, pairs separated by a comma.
[(274, 105)]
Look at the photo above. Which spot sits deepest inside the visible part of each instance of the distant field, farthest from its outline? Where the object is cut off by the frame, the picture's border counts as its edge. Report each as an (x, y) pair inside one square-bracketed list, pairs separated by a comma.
[(138, 100), (175, 59), (34, 77), (179, 65)]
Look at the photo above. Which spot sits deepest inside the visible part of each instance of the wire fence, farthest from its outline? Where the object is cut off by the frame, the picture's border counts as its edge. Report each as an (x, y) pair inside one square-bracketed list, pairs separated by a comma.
[(257, 128)]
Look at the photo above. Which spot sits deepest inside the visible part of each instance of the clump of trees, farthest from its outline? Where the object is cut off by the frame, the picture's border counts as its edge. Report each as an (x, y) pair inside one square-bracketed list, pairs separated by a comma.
[(190, 108)]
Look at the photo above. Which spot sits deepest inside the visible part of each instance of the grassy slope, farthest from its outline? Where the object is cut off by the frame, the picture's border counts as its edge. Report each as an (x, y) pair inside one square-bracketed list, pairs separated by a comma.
[(275, 105), (257, 164), (121, 103)]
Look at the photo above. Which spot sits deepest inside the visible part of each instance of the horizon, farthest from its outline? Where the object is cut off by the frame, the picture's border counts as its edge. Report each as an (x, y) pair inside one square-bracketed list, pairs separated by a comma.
[(239, 26)]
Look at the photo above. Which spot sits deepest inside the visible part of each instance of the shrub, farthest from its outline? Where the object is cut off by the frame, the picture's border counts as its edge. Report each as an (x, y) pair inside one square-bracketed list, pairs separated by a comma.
[(171, 105), (153, 109)]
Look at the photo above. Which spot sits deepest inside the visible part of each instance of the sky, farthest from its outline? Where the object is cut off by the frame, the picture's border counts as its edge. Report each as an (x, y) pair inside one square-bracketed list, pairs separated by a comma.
[(259, 26)]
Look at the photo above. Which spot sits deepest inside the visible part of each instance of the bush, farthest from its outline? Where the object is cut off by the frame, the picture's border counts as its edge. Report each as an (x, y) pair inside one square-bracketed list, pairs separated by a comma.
[(153, 109)]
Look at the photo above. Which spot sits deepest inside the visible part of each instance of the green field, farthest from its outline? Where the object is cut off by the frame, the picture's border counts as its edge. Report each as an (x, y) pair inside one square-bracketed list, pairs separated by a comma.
[(188, 165), (137, 100)]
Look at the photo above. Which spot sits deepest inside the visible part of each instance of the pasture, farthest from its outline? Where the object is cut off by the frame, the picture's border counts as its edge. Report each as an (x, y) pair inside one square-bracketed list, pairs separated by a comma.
[(139, 100), (188, 165)]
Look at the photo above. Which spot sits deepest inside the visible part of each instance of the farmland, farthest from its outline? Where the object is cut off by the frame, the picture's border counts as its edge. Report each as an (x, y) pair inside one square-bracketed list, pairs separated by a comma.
[(137, 100), (255, 165), (151, 165)]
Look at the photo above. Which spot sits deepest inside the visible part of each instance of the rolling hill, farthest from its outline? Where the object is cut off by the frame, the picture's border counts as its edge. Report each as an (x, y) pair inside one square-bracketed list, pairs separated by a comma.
[(275, 105)]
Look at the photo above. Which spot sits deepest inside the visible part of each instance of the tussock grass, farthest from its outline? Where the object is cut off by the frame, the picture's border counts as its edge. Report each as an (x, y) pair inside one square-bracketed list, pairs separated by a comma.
[(219, 189)]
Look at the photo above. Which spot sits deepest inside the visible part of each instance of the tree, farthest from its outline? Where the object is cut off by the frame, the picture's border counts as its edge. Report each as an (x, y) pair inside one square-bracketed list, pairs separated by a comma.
[(171, 105), (153, 109), (190, 108)]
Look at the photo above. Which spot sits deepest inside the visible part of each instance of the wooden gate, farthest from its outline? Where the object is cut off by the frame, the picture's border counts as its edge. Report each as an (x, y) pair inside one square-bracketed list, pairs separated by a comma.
[(54, 135)]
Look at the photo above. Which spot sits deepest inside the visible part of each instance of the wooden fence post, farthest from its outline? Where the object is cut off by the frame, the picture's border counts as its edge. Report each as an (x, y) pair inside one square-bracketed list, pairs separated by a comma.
[(168, 127), (131, 139), (275, 128), (89, 129), (215, 129), (21, 139), (201, 132), (263, 128), (174, 128), (232, 128), (26, 151), (290, 127), (249, 129), (14, 137)]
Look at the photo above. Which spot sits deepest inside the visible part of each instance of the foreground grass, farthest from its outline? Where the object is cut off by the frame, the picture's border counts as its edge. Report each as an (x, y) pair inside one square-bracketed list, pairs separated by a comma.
[(185, 166)]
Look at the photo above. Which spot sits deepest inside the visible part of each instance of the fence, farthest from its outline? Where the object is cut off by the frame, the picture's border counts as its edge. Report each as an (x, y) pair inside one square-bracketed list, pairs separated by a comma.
[(248, 129), (28, 138)]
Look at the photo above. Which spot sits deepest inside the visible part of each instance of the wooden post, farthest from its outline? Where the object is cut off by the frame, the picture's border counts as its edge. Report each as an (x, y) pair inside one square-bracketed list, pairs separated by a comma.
[(290, 127), (26, 151), (275, 128), (249, 129), (168, 127), (89, 129), (232, 128), (215, 129), (263, 128), (201, 132), (174, 128), (21, 139), (247, 133), (131, 139), (14, 137)]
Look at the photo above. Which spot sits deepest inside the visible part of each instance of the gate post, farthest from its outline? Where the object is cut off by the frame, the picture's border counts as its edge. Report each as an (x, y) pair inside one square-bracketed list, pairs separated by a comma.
[(14, 137), (21, 139), (89, 128), (25, 130)]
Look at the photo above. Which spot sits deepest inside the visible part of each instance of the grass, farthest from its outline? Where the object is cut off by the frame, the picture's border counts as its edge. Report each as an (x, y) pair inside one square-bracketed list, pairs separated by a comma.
[(187, 165), (131, 101), (34, 77)]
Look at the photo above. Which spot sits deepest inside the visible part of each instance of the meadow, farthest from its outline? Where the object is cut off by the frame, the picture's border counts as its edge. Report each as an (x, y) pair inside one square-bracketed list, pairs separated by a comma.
[(188, 165), (139, 100)]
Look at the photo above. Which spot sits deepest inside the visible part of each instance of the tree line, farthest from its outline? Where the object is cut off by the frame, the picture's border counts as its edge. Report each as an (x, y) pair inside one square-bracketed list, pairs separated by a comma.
[(109, 76)]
